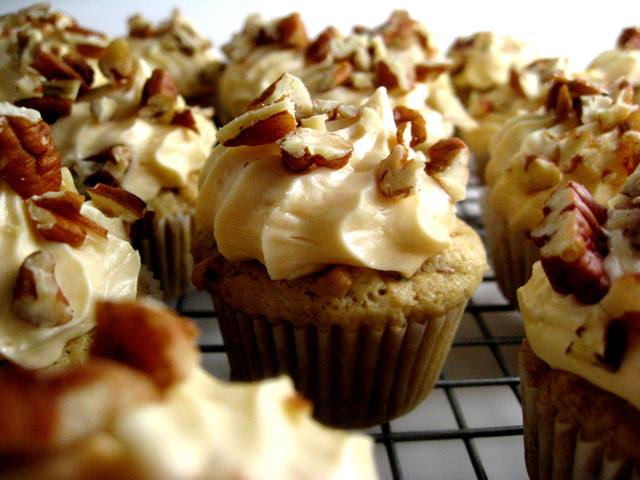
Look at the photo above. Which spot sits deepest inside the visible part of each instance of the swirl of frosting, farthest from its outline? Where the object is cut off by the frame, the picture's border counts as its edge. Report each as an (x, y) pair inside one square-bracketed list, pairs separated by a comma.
[(298, 223), (100, 268), (163, 156)]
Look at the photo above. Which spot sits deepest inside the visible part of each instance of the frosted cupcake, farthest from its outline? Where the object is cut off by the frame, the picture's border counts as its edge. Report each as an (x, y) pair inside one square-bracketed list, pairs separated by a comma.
[(47, 60), (585, 134), (60, 253), (398, 55), (136, 132), (142, 408), (331, 250), (580, 360), (177, 47)]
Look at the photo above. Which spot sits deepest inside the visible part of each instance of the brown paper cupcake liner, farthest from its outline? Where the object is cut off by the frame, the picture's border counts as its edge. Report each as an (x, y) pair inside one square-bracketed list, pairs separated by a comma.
[(512, 253), (558, 450), (168, 253), (356, 376)]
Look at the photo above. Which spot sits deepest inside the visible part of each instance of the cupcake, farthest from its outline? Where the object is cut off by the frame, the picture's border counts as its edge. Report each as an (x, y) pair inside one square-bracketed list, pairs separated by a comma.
[(47, 59), (137, 133), (585, 134), (142, 408), (580, 361), (60, 253), (177, 47), (331, 250), (399, 55)]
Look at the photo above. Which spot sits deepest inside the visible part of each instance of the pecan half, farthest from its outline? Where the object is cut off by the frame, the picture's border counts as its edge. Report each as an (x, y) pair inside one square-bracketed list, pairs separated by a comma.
[(404, 116), (151, 339), (396, 175), (629, 38), (290, 86), (56, 215), (448, 165), (29, 161), (261, 126), (116, 202), (306, 147), (37, 297), (573, 244)]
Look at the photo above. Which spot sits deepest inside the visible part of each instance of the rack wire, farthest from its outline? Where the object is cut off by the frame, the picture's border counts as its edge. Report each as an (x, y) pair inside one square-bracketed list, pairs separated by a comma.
[(483, 328)]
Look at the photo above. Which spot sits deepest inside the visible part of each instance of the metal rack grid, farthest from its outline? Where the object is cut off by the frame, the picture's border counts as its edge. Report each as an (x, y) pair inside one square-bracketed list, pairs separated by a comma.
[(476, 399)]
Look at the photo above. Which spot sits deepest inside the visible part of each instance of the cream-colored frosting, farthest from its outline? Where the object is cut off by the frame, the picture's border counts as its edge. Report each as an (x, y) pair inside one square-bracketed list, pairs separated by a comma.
[(100, 268), (551, 323), (515, 180), (486, 59), (207, 429), (244, 81), (617, 63), (295, 224), (162, 156)]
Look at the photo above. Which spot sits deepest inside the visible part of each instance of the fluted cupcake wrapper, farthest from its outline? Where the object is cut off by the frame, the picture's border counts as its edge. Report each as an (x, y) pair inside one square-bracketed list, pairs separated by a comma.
[(558, 450), (356, 376), (512, 253), (168, 253)]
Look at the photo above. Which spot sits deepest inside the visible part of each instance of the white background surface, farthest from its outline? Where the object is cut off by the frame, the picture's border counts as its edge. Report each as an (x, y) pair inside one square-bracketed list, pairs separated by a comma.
[(578, 30), (570, 28)]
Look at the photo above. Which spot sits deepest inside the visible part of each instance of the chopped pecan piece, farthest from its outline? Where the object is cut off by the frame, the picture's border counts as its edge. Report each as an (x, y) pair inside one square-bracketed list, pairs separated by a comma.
[(405, 115), (334, 109), (426, 72), (392, 76), (151, 339), (185, 119), (159, 96), (448, 165), (53, 67), (37, 297), (117, 62), (400, 31), (629, 38), (396, 175), (261, 126), (573, 244), (51, 108), (29, 161), (56, 215), (320, 48), (116, 202), (564, 96), (628, 150), (292, 32), (306, 147), (286, 85)]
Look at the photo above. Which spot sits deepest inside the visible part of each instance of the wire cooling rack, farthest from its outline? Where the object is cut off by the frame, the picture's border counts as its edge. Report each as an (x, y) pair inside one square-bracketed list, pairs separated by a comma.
[(470, 426)]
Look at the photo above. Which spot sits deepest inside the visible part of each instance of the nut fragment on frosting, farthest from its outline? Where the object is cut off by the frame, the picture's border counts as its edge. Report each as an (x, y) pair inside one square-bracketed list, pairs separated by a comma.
[(116, 402), (341, 189), (581, 305), (60, 253)]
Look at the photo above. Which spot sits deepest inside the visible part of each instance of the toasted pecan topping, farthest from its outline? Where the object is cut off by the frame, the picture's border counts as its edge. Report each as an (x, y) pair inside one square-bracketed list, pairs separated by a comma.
[(442, 153), (628, 150), (573, 244), (286, 85), (306, 147), (185, 119), (448, 160), (153, 340), (51, 108), (116, 202), (56, 215), (564, 97), (408, 116), (400, 31), (396, 175), (37, 297), (159, 96), (425, 72), (29, 161), (629, 38), (292, 32), (117, 62), (319, 49)]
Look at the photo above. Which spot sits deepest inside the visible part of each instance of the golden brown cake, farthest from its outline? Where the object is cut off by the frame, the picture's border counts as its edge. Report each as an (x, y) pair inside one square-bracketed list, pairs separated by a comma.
[(580, 360), (332, 252)]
